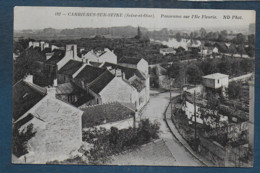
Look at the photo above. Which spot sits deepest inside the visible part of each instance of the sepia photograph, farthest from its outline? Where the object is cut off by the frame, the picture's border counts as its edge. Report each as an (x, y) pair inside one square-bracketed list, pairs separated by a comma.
[(133, 86)]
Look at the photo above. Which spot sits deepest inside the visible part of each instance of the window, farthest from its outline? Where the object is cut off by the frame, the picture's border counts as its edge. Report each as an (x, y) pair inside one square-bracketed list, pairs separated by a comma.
[(70, 98), (218, 80)]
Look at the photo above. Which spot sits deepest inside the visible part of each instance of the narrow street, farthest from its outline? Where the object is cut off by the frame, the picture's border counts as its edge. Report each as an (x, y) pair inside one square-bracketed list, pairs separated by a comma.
[(154, 111)]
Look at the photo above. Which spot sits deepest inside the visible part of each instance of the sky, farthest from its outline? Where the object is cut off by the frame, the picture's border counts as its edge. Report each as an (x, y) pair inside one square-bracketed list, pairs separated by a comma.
[(152, 19)]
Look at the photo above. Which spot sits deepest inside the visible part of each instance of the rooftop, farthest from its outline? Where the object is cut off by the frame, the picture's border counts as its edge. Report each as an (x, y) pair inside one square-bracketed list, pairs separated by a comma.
[(129, 72), (68, 88), (56, 57), (129, 60), (101, 81), (215, 76), (105, 113), (153, 153), (58, 131), (70, 67), (89, 73), (25, 96), (95, 64), (139, 85)]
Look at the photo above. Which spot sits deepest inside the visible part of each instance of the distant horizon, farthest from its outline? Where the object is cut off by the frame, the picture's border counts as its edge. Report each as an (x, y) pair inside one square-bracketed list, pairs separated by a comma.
[(149, 29)]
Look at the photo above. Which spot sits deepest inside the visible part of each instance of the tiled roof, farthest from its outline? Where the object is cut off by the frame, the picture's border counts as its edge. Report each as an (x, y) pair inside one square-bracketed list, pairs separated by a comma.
[(70, 67), (153, 153), (95, 64), (101, 81), (129, 72), (82, 100), (25, 96), (89, 73), (24, 120), (56, 57), (215, 76), (57, 132), (105, 113), (129, 60), (68, 88), (138, 85), (47, 50)]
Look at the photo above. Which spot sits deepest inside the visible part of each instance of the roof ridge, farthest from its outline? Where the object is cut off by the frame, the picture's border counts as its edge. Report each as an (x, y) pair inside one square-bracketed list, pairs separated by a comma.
[(18, 82), (91, 83), (36, 87)]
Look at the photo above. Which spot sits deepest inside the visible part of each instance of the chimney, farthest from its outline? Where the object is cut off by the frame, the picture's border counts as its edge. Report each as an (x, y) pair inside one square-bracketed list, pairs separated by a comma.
[(118, 73), (71, 50), (42, 45), (29, 78), (30, 44), (123, 75), (46, 45), (55, 82), (51, 91), (85, 61)]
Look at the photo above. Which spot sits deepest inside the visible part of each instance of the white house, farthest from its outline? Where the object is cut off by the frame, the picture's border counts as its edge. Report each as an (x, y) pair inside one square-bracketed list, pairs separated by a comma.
[(101, 56), (140, 64), (70, 54), (165, 51), (215, 81)]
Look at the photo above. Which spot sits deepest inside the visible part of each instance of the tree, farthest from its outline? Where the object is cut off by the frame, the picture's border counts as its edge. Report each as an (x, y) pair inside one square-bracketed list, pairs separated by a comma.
[(20, 140), (241, 49), (251, 39), (203, 33), (247, 65), (223, 35), (225, 65), (178, 36), (180, 50), (235, 90), (194, 74), (250, 50)]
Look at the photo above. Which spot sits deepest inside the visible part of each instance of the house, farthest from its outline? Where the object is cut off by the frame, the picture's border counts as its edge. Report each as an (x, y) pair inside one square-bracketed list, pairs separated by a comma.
[(101, 56), (106, 86), (58, 59), (114, 114), (134, 77), (70, 53), (41, 44), (65, 74), (103, 85), (56, 125), (208, 50), (215, 81), (73, 94), (165, 51), (140, 64)]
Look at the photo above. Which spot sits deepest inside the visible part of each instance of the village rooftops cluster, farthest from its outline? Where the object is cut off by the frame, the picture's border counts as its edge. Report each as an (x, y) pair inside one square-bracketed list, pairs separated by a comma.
[(83, 92)]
